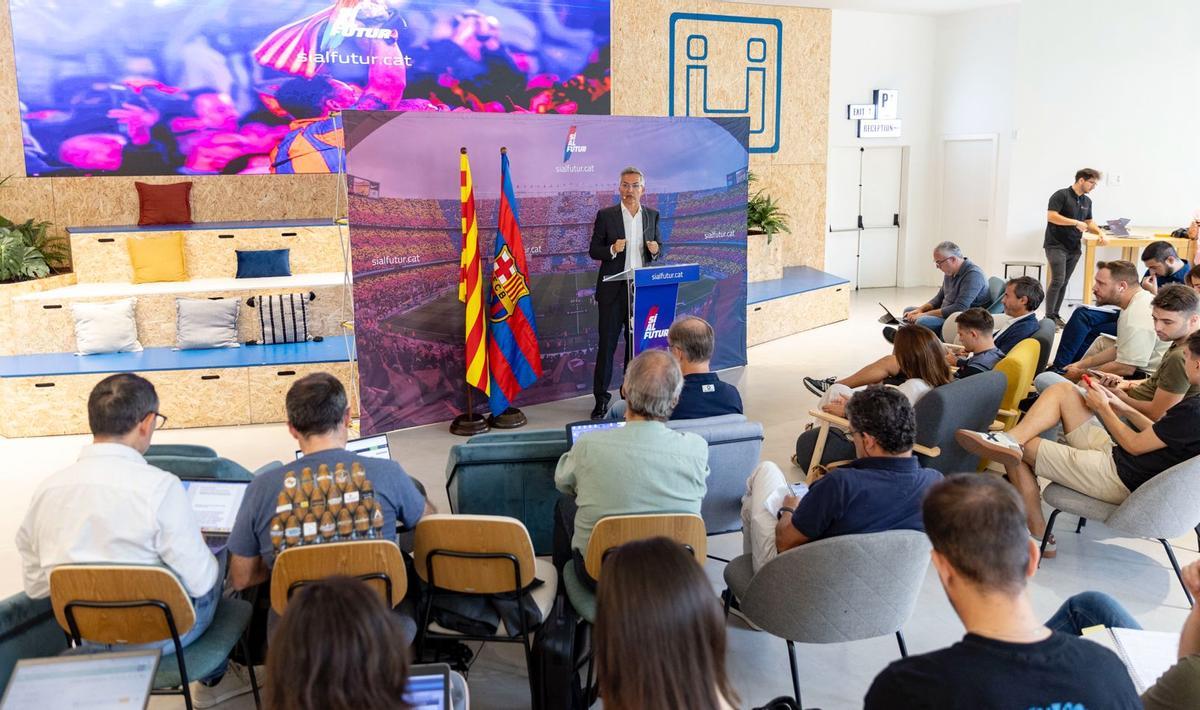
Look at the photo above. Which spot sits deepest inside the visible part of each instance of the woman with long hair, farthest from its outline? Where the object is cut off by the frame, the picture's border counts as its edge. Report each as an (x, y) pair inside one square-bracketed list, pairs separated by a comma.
[(660, 634), (338, 647)]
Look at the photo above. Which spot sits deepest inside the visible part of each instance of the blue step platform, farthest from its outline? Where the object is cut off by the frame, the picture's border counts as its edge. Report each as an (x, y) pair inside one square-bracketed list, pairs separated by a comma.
[(257, 224), (796, 279), (332, 349)]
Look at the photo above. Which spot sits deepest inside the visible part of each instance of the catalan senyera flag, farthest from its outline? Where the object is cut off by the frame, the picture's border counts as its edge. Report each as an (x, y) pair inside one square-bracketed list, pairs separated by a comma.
[(470, 282), (514, 358)]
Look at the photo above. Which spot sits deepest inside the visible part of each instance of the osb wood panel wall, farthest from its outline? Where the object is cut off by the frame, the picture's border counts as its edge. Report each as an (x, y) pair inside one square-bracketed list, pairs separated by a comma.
[(728, 44), (69, 202)]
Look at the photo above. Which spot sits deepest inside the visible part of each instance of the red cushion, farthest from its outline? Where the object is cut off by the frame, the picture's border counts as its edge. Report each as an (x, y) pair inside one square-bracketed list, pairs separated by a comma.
[(164, 204)]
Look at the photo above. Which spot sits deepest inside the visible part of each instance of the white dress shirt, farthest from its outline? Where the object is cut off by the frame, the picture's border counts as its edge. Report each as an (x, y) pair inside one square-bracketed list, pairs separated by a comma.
[(633, 237), (113, 507)]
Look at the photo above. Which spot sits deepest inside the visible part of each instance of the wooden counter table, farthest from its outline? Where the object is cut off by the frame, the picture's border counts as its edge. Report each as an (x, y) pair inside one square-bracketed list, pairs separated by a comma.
[(1131, 250)]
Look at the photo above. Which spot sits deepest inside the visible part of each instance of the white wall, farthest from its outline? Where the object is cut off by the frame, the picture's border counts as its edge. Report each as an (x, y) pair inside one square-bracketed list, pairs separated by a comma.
[(1113, 85), (974, 86), (890, 51)]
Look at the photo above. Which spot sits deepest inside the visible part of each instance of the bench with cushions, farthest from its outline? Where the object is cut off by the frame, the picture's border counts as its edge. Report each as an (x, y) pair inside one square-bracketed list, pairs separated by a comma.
[(512, 473), (27, 630), (48, 385)]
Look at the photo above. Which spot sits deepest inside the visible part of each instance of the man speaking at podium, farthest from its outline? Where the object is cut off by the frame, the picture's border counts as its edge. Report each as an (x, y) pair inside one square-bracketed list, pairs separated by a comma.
[(625, 237)]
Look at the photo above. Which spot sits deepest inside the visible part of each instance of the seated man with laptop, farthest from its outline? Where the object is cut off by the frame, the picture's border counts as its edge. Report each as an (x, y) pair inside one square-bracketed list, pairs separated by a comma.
[(641, 467), (112, 507), (327, 495)]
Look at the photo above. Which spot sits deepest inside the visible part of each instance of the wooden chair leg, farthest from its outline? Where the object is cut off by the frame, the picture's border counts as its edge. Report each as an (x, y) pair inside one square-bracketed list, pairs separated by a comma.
[(819, 446)]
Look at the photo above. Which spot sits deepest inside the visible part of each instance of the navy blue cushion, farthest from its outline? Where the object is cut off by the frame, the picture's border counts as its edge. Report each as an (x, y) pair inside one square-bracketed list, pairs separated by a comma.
[(262, 263)]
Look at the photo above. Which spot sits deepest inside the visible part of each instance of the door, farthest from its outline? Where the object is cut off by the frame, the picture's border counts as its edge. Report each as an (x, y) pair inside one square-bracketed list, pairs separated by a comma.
[(968, 177), (879, 239), (841, 243)]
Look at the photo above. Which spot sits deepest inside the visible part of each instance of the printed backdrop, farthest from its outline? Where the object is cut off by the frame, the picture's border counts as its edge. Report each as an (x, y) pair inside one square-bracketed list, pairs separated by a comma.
[(405, 239)]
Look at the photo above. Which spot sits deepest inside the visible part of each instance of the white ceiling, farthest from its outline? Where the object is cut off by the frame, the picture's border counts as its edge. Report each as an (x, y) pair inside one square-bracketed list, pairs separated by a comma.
[(912, 7)]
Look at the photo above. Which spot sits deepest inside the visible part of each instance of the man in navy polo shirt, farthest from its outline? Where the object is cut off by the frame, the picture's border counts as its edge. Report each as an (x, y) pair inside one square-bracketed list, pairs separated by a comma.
[(690, 340), (880, 490)]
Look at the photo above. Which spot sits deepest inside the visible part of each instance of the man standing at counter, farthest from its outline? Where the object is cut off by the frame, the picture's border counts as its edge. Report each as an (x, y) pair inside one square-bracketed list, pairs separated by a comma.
[(1068, 217)]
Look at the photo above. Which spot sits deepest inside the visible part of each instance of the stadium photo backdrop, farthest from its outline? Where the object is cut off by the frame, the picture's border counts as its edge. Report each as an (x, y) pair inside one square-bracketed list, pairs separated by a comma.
[(202, 87), (406, 238)]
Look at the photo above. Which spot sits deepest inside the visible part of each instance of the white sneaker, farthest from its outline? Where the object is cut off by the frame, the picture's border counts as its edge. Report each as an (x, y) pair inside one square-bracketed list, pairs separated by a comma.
[(995, 445), (235, 682)]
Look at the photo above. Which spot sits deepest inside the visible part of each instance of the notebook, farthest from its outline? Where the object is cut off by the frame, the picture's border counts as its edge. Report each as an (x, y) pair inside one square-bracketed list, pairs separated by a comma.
[(101, 681), (428, 687), (215, 504), (587, 426), (1147, 654)]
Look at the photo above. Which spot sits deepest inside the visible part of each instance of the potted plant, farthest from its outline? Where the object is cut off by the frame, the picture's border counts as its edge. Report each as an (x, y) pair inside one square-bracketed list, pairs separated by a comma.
[(764, 215), (27, 251)]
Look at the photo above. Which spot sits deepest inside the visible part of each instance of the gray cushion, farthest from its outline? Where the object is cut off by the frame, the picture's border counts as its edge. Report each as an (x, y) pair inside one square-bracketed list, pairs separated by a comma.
[(738, 574), (108, 327), (205, 654), (1076, 503), (582, 598), (206, 323)]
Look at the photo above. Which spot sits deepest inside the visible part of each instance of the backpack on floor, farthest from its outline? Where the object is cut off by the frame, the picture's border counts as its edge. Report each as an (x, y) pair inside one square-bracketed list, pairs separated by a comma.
[(557, 683)]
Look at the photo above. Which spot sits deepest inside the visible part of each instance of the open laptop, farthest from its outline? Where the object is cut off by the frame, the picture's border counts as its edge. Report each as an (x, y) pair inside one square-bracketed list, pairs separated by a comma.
[(99, 681), (428, 687), (587, 426), (215, 504), (1118, 227), (888, 318), (374, 447)]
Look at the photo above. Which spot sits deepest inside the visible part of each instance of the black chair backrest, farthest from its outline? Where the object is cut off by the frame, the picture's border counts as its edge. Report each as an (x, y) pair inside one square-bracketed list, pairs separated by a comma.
[(1045, 338), (970, 403)]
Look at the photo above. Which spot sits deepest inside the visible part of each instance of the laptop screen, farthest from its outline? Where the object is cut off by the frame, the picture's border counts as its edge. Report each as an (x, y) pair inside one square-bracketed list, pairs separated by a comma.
[(215, 503), (428, 687), (374, 447), (103, 681), (578, 429)]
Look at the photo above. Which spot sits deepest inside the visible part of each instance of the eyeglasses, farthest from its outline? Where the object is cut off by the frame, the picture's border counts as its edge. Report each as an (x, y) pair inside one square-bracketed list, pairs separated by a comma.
[(627, 186), (160, 420), (938, 262)]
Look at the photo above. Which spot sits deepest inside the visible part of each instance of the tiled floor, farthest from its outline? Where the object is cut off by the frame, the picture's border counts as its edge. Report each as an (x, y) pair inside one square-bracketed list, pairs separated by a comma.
[(834, 676)]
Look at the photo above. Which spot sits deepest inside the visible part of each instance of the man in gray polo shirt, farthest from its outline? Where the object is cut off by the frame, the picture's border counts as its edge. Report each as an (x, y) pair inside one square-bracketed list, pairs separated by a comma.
[(964, 285)]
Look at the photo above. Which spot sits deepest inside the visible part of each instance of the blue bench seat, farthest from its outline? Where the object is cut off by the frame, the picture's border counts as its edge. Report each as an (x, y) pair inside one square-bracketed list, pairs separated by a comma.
[(253, 224), (332, 349), (796, 279)]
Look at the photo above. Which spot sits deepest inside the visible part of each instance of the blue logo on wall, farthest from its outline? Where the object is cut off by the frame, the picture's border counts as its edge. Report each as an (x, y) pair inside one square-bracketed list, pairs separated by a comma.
[(740, 58)]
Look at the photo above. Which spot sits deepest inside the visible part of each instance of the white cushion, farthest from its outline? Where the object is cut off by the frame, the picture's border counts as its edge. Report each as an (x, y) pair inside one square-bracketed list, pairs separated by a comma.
[(108, 327), (206, 323)]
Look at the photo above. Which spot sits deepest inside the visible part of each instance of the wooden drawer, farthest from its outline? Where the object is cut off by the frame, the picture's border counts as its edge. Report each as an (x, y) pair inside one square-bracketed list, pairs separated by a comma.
[(781, 317), (195, 398), (269, 386), (46, 406)]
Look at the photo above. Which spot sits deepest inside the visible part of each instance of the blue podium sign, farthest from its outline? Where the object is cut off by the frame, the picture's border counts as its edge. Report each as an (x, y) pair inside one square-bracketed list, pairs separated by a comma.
[(655, 296)]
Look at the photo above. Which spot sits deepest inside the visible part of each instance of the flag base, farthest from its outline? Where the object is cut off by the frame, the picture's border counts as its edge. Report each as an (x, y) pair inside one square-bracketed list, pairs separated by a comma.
[(511, 418), (469, 424)]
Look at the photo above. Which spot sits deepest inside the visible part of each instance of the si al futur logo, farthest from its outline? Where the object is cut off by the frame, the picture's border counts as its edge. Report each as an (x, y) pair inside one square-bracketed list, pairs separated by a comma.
[(572, 147)]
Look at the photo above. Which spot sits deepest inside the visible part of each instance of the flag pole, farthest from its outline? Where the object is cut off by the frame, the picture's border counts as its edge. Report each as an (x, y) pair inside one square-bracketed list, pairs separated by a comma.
[(468, 423), (511, 418)]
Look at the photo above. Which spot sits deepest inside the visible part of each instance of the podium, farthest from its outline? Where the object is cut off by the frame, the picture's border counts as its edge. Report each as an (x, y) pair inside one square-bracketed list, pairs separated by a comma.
[(653, 295)]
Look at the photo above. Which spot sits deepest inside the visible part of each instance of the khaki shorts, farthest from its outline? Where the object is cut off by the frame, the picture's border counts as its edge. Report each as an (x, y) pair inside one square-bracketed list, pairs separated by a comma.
[(1083, 464)]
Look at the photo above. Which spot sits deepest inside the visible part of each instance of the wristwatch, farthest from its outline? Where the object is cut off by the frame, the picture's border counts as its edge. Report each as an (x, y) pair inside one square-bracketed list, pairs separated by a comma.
[(782, 510)]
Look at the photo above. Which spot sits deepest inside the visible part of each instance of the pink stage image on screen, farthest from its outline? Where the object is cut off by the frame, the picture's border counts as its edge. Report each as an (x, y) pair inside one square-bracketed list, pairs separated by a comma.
[(206, 87)]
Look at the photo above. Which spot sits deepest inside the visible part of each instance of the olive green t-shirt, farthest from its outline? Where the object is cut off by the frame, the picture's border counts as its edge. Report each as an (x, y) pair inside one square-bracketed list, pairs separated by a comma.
[(1177, 689), (1171, 376)]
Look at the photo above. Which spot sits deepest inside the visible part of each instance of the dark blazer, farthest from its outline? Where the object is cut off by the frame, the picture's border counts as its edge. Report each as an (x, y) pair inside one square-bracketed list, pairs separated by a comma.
[(610, 226)]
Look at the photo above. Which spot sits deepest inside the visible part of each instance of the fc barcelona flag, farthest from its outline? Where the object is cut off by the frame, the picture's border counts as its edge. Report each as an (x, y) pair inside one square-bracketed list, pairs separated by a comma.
[(514, 358)]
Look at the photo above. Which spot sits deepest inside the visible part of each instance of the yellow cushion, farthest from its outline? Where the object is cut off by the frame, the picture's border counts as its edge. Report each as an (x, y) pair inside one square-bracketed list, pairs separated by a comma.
[(157, 258)]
